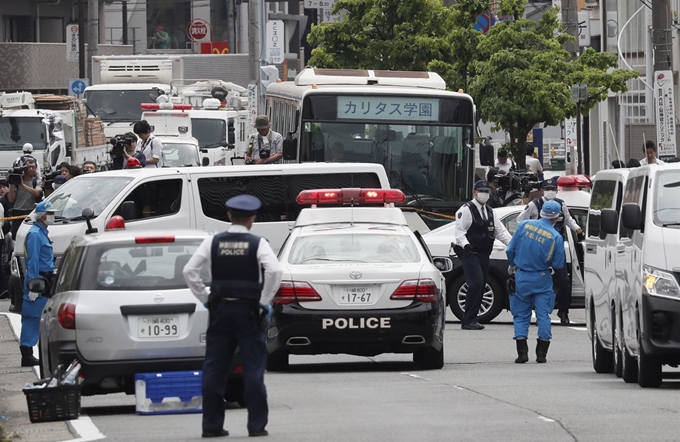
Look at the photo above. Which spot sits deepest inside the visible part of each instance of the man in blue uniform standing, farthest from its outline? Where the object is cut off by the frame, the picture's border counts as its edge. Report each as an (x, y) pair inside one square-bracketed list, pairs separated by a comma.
[(536, 248), (476, 229), (245, 277), (533, 211), (39, 262)]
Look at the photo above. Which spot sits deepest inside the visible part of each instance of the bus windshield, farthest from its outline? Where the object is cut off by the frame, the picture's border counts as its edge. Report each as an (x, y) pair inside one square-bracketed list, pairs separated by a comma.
[(424, 143)]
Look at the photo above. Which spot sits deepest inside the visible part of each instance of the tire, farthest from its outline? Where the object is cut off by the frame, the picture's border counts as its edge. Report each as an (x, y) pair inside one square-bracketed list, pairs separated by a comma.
[(492, 299), (277, 361), (429, 358), (602, 358), (649, 368), (629, 371), (617, 361), (41, 365)]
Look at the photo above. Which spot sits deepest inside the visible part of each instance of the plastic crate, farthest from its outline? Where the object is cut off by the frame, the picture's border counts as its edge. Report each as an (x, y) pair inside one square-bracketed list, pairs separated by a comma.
[(169, 392), (53, 404)]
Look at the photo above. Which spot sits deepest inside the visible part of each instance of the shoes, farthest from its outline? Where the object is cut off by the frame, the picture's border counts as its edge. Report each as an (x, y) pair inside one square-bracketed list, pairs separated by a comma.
[(542, 350), (220, 433), (4, 295), (522, 351), (473, 326), (14, 309), (564, 318), (259, 433), (27, 358)]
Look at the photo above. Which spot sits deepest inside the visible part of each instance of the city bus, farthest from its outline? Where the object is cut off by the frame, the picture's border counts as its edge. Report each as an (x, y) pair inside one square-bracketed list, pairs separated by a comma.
[(407, 121)]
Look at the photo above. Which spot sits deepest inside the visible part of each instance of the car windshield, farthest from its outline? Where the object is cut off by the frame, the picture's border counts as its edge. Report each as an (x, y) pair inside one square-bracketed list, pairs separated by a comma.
[(15, 131), (178, 155), (667, 204), (154, 266), (209, 132), (111, 106), (364, 247), (95, 192)]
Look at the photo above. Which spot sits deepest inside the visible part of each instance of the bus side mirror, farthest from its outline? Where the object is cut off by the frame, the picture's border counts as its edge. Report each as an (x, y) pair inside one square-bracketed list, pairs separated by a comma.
[(486, 153), (290, 147)]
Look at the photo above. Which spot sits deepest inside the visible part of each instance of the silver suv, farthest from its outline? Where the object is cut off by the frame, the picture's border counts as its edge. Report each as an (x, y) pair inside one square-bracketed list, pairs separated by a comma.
[(120, 306)]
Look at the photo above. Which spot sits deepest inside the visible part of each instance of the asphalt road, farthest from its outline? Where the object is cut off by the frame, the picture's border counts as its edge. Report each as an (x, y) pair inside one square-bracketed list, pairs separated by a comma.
[(479, 395)]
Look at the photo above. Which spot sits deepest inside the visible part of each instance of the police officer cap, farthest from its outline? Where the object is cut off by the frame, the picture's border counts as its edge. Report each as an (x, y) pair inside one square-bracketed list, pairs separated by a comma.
[(551, 210), (43, 206), (243, 204), (482, 185), (550, 183)]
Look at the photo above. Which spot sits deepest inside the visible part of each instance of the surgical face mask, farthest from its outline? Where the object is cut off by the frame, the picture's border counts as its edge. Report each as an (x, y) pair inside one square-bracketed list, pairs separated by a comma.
[(49, 219), (482, 197), (549, 194)]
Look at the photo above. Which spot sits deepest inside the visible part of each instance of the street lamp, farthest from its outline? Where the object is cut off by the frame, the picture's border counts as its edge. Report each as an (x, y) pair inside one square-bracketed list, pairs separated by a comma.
[(579, 94)]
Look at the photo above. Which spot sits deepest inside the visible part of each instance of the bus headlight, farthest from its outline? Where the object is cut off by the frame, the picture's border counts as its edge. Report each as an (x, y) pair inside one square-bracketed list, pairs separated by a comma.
[(659, 283)]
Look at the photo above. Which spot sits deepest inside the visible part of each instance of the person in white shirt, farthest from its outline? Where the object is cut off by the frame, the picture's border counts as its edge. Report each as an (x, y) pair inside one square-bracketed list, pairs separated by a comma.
[(265, 146), (151, 147), (650, 154), (503, 164), (27, 149), (533, 165), (477, 227)]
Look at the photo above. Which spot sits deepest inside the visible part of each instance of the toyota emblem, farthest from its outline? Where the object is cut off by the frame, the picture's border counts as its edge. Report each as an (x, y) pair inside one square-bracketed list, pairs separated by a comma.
[(355, 274), (159, 298)]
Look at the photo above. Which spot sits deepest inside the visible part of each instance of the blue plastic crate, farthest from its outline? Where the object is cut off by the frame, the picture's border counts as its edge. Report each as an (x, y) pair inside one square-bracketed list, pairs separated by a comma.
[(169, 392)]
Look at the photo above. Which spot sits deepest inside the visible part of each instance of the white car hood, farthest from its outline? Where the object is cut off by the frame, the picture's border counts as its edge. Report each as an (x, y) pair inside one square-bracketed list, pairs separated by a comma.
[(60, 235)]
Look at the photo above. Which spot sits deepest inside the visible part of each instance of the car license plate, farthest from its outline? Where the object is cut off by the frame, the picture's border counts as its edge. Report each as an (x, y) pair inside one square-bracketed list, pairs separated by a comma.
[(157, 326), (356, 295)]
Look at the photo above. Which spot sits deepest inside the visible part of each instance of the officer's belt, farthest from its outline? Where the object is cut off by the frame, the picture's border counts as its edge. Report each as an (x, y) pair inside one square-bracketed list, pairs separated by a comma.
[(534, 271)]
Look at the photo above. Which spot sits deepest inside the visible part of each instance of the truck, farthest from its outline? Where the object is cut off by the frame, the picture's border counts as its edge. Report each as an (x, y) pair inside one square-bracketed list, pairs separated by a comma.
[(120, 84), (56, 126), (214, 112)]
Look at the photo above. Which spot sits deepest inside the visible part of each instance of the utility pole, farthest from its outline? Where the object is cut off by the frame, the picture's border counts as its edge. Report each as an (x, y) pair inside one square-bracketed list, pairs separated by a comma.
[(662, 37), (570, 23), (92, 33), (81, 38), (254, 42), (231, 26), (125, 23)]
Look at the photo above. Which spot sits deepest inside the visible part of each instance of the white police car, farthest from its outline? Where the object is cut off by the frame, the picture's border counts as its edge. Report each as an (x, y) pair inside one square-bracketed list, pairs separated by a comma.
[(357, 280), (495, 296)]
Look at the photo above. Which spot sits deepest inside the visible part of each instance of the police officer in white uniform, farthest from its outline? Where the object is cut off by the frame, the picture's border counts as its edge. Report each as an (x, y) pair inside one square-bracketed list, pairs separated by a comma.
[(477, 226), (245, 277)]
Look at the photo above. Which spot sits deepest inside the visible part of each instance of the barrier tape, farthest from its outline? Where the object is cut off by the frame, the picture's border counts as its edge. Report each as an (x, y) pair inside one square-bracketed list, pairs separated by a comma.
[(441, 215), (12, 218)]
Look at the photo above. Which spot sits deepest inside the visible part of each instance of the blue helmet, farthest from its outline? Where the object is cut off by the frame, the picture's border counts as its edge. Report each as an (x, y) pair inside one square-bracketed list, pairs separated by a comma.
[(551, 210)]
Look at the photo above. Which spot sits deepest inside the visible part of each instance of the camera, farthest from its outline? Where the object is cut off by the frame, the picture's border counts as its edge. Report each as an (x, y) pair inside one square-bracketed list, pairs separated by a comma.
[(15, 174), (119, 142)]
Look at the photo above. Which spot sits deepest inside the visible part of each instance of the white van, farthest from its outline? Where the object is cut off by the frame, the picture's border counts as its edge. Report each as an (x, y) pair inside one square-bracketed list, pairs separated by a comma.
[(643, 267), (168, 199)]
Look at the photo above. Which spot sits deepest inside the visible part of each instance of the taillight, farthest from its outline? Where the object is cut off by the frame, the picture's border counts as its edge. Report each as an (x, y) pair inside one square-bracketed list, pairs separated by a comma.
[(153, 239), (292, 291), (67, 316), (423, 290)]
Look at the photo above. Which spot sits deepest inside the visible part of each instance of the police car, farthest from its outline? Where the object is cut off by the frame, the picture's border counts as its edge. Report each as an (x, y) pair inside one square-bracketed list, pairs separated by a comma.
[(357, 280), (120, 306), (572, 189)]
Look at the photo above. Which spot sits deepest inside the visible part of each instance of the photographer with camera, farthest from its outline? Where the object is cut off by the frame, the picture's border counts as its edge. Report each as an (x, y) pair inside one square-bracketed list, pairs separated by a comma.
[(24, 191), (124, 148), (28, 154), (265, 146), (152, 148)]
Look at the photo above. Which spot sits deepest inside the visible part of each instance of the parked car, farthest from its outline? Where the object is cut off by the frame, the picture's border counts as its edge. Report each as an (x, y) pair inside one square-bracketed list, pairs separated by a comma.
[(495, 297)]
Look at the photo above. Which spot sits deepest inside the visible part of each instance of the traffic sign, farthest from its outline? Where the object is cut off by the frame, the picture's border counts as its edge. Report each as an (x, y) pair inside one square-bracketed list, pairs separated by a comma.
[(72, 39), (199, 30), (77, 87), (275, 45)]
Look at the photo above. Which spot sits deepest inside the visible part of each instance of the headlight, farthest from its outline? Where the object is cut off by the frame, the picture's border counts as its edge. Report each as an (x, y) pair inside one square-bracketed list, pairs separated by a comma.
[(660, 283), (14, 267)]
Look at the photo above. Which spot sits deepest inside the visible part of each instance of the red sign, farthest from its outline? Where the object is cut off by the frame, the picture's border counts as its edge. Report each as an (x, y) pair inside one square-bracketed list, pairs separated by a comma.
[(198, 29), (215, 47)]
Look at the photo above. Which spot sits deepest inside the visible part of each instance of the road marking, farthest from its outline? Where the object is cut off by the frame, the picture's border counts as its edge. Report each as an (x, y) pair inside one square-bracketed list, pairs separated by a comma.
[(545, 419), (83, 426), (413, 375), (579, 328)]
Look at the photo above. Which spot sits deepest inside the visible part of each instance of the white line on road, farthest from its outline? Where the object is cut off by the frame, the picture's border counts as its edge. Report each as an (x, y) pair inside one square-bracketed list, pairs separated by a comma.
[(413, 375), (83, 426), (545, 419), (579, 328)]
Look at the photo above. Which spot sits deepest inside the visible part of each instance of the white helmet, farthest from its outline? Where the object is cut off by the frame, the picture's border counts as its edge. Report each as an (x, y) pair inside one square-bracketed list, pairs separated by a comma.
[(28, 148)]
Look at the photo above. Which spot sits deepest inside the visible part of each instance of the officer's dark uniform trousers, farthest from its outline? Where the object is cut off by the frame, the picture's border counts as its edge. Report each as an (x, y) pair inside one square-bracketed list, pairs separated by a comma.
[(561, 276), (480, 235), (233, 323)]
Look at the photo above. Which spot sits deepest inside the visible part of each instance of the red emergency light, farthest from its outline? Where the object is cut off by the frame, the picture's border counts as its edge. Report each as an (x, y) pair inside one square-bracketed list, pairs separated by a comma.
[(356, 196), (115, 223), (165, 106), (580, 181), (153, 239)]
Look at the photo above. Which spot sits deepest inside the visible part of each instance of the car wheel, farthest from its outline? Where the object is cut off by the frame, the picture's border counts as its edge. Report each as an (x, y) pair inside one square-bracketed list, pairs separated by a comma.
[(629, 369), (277, 361), (616, 353), (492, 299), (602, 358), (429, 358), (649, 368), (41, 364)]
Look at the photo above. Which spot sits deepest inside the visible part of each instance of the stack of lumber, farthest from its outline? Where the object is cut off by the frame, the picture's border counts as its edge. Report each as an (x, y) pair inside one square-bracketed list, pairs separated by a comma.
[(94, 128), (90, 131)]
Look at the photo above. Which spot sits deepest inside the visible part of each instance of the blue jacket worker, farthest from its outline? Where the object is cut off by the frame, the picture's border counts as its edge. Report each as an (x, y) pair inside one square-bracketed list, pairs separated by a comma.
[(476, 229), (536, 248), (561, 276), (245, 277), (39, 262)]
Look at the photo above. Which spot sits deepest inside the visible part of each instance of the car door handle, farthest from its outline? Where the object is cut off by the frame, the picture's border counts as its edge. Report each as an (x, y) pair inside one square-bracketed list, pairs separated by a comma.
[(591, 249)]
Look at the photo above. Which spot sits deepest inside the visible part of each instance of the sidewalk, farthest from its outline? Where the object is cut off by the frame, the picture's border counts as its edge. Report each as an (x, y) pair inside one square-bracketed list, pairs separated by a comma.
[(14, 419)]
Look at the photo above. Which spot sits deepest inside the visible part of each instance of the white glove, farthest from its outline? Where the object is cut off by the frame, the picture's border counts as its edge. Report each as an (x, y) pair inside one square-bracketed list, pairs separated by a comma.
[(511, 270), (33, 296)]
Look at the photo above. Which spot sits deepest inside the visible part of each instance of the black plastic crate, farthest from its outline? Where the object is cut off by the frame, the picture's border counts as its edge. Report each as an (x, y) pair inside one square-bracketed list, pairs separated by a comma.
[(53, 404)]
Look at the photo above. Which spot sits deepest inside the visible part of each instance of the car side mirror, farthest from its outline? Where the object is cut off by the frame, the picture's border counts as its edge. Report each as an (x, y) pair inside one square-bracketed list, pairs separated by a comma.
[(444, 264), (631, 216), (231, 137), (609, 221), (290, 147), (37, 285), (206, 161), (88, 214), (128, 210)]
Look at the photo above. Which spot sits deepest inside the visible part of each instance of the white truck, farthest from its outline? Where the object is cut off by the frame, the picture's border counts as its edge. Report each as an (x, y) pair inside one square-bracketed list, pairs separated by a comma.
[(120, 84), (55, 125), (219, 124)]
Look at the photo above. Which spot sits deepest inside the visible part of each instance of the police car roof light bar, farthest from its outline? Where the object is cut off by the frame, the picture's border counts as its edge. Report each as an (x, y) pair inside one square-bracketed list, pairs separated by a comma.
[(153, 239), (115, 223), (580, 181), (354, 196), (165, 106)]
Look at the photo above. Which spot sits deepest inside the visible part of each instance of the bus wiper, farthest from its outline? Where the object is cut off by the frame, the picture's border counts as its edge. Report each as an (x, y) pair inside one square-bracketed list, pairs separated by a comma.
[(411, 192)]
